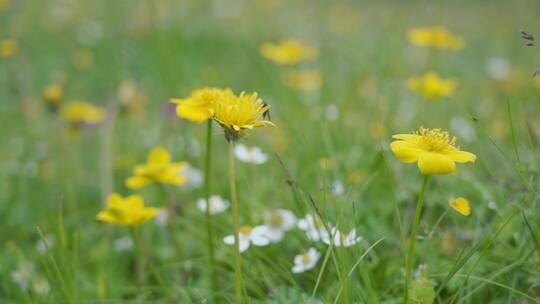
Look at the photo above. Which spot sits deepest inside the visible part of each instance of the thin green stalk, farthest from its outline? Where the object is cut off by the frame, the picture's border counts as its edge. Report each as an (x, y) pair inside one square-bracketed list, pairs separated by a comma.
[(412, 240), (208, 217), (139, 257), (236, 226)]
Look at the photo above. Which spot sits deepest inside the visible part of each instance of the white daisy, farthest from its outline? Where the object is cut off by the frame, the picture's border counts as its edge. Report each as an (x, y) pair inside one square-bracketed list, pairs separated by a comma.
[(498, 68), (194, 177), (253, 155), (277, 223), (306, 261), (341, 239), (124, 243), (338, 188), (217, 204), (249, 235), (313, 226)]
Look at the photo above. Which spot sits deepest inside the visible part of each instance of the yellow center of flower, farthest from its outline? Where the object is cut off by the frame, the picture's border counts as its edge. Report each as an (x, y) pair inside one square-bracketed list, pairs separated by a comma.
[(246, 230), (306, 258), (436, 140), (275, 220)]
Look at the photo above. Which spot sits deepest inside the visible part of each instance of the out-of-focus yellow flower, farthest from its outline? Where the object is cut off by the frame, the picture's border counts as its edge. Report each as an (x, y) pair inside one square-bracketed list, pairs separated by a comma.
[(356, 176), (236, 114), (303, 80), (288, 52), (81, 112), (431, 86), (436, 37), (325, 163), (8, 48), (53, 94), (461, 205), (126, 211), (158, 169), (434, 150), (200, 105), (4, 4), (83, 59)]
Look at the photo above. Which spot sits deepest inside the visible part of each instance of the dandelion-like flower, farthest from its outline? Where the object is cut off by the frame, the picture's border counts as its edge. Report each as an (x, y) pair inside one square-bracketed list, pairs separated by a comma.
[(288, 52), (306, 261), (126, 211), (216, 205), (248, 235), (200, 105), (432, 86), (158, 169), (461, 205), (434, 150), (8, 48), (436, 37), (237, 114), (340, 239), (81, 112), (53, 94), (278, 222), (253, 155)]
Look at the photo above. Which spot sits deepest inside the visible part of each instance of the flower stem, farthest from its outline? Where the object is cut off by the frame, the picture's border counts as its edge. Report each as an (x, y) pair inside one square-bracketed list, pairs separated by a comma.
[(234, 205), (208, 217), (139, 257), (412, 240)]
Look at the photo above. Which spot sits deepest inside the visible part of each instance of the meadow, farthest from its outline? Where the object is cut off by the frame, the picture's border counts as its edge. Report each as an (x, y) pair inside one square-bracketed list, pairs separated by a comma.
[(234, 151)]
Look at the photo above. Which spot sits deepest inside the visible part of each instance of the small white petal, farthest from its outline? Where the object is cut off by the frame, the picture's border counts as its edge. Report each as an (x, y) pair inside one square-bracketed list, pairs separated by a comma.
[(229, 239)]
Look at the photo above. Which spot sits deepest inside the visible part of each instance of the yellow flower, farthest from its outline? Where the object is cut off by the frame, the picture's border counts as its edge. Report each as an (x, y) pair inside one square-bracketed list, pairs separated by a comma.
[(158, 169), (80, 112), (434, 150), (4, 4), (431, 86), (461, 205), (436, 37), (200, 105), (53, 93), (8, 48), (126, 211), (236, 114), (303, 80), (288, 52)]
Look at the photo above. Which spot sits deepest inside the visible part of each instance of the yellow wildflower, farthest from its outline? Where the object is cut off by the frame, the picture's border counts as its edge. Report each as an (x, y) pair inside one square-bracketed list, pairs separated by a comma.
[(461, 205), (431, 86), (8, 48), (158, 169), (434, 150), (80, 112), (4, 4), (303, 80), (53, 94), (236, 114), (126, 211), (288, 52), (436, 37), (200, 105)]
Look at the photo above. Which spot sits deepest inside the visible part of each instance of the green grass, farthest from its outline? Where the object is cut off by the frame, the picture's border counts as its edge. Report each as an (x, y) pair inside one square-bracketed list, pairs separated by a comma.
[(53, 182)]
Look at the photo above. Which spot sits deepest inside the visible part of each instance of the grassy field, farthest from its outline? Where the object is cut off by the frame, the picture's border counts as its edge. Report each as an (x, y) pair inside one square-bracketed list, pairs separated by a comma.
[(328, 155)]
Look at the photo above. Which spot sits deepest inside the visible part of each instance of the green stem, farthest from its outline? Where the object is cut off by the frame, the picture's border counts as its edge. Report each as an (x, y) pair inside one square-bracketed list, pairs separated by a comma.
[(208, 217), (412, 240), (236, 228), (139, 257)]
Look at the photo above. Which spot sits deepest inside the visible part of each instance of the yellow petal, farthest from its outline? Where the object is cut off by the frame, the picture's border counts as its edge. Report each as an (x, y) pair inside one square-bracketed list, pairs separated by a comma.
[(461, 156), (193, 113), (108, 217), (159, 155), (461, 205), (411, 138), (134, 202), (137, 182), (405, 151), (433, 163)]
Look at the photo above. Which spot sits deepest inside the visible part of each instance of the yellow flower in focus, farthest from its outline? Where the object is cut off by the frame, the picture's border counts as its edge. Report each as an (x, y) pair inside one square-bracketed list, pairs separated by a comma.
[(303, 80), (158, 169), (8, 48), (461, 205), (288, 52), (126, 211), (236, 114), (434, 150), (80, 112), (432, 86), (200, 105), (53, 94), (436, 37)]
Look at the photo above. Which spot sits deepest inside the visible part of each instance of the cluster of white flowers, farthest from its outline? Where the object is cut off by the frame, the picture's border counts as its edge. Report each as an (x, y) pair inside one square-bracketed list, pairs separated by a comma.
[(216, 205), (252, 155), (26, 277)]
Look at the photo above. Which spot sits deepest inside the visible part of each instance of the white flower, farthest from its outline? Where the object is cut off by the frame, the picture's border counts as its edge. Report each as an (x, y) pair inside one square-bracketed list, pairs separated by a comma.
[(313, 226), (23, 274), (47, 242), (492, 205), (253, 155), (498, 68), (277, 223), (306, 261), (341, 239), (194, 177), (338, 188), (217, 204), (162, 218), (331, 112), (123, 244), (41, 286), (249, 235)]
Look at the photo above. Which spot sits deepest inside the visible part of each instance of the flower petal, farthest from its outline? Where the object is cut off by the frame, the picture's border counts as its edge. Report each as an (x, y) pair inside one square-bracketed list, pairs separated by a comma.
[(433, 163), (406, 152), (159, 155), (137, 182), (461, 156)]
